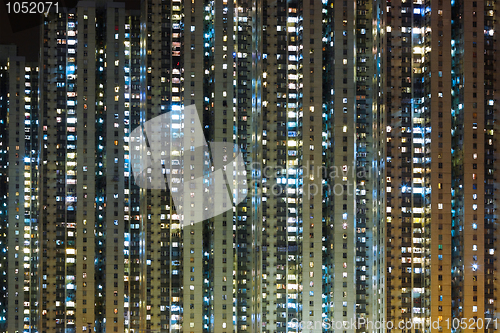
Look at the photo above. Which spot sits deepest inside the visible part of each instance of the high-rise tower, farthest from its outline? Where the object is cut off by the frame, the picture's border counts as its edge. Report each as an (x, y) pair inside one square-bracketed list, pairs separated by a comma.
[(84, 201), (19, 233), (354, 235), (200, 276), (438, 96)]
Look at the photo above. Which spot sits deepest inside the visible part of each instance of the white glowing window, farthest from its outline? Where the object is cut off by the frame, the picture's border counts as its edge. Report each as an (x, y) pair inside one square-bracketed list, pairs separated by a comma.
[(440, 206), (474, 247)]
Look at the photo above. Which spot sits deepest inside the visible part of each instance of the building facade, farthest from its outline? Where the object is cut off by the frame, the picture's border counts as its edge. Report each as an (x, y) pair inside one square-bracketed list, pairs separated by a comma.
[(19, 160), (83, 205), (369, 135)]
